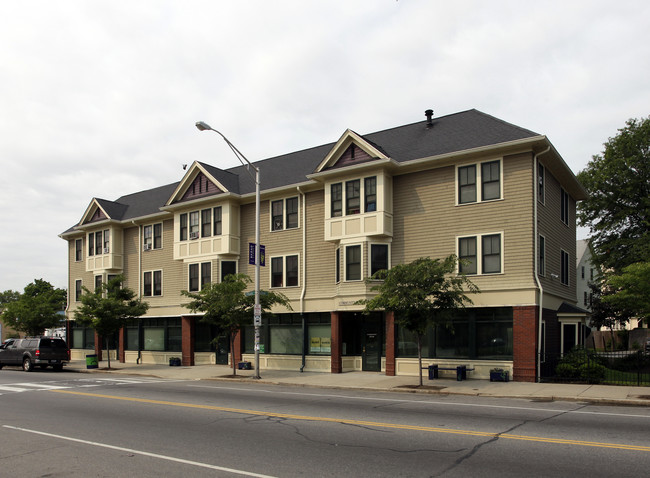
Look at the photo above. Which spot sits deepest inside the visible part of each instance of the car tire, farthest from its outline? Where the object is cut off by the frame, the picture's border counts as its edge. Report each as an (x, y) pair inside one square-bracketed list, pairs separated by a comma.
[(28, 366), (57, 367)]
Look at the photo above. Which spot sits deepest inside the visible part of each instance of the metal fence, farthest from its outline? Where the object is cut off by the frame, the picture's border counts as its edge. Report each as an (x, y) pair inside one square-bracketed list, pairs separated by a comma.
[(598, 367)]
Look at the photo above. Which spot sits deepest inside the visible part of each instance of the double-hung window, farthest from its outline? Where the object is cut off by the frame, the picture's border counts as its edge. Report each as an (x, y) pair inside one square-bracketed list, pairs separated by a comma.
[(98, 243), (337, 259), (194, 225), (152, 236), (564, 206), (284, 214), (564, 267), (480, 254), (370, 194), (541, 256), (540, 183), (378, 258), (183, 227), (228, 268), (353, 197), (217, 220), (200, 274), (336, 195), (91, 244), (352, 263), (284, 271), (206, 222), (486, 174), (152, 283), (77, 290), (78, 250)]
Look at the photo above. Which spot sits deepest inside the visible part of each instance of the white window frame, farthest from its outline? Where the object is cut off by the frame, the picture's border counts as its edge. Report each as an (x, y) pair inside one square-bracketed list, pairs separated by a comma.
[(77, 297), (479, 182), (362, 195), (283, 202), (388, 257), (76, 242), (345, 263), (284, 271), (200, 276), (479, 252), (221, 261), (153, 282)]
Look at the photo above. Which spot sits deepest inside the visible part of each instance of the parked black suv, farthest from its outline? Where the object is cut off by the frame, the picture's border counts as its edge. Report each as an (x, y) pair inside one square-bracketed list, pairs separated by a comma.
[(32, 351)]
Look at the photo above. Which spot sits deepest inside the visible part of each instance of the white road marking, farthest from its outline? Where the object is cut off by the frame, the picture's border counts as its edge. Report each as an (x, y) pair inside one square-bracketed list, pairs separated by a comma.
[(140, 452)]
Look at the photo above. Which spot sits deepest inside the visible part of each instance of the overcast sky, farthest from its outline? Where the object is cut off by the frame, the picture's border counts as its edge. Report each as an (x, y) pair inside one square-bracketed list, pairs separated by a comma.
[(99, 98)]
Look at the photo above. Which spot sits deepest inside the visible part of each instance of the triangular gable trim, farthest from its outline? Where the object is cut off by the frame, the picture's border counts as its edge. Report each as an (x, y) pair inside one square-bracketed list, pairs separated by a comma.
[(196, 183), (339, 152), (94, 213)]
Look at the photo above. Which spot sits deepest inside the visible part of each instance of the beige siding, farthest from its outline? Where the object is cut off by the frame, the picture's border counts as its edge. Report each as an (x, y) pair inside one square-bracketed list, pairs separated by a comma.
[(428, 221)]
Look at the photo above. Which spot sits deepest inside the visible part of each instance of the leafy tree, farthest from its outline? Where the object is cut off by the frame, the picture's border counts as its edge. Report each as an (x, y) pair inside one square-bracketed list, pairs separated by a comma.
[(604, 314), (423, 293), (617, 210), (229, 308), (108, 308), (35, 310), (631, 291)]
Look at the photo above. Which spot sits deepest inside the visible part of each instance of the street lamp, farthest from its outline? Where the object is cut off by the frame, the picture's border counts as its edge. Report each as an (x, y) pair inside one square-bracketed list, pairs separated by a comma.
[(257, 312)]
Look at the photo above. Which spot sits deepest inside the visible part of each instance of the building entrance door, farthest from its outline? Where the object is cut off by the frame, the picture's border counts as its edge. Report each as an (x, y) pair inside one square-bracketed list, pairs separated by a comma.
[(222, 350), (371, 344)]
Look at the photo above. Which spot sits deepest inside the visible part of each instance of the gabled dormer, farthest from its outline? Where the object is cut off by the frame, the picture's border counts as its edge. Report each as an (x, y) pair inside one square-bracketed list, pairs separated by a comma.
[(358, 189), (104, 246), (206, 213)]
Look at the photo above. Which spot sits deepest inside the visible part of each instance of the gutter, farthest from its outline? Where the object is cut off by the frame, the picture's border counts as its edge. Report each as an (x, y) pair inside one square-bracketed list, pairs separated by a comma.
[(536, 256)]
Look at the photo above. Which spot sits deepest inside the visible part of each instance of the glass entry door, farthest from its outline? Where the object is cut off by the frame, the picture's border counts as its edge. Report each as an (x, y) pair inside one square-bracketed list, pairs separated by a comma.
[(372, 340)]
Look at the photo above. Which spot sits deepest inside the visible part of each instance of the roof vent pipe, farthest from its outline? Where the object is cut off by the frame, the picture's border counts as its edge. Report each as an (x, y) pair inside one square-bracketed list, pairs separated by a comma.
[(429, 115)]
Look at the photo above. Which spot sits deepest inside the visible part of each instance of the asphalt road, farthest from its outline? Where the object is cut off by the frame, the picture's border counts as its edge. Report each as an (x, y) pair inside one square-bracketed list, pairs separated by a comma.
[(66, 424)]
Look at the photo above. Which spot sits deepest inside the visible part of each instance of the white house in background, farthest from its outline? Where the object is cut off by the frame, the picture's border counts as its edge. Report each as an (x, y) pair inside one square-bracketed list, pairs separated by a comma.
[(585, 273)]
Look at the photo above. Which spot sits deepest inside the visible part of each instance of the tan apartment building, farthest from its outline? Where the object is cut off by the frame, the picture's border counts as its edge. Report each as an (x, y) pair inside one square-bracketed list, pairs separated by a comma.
[(495, 194)]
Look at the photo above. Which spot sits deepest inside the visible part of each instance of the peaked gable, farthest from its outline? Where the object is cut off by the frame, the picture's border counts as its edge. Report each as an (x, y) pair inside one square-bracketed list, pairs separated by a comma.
[(101, 210), (198, 182), (349, 150)]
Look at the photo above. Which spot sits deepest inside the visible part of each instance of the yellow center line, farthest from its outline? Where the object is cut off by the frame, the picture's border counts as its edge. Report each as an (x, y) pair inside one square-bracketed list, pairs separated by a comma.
[(362, 422)]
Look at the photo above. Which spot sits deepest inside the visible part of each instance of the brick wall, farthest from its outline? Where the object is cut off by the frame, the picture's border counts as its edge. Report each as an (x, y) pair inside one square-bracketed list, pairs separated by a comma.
[(187, 340), (336, 359), (390, 344), (524, 321)]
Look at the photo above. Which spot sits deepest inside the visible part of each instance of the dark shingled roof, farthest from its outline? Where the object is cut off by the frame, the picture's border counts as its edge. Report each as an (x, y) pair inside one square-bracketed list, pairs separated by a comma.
[(456, 132)]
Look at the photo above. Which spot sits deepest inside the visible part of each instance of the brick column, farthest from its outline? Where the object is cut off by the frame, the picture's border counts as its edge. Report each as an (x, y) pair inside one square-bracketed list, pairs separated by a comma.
[(98, 346), (187, 340), (525, 328), (238, 342), (122, 341), (390, 343), (337, 343)]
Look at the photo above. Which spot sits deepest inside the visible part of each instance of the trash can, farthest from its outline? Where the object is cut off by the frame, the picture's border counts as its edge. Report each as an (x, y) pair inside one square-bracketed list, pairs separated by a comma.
[(91, 361), (433, 372), (175, 362)]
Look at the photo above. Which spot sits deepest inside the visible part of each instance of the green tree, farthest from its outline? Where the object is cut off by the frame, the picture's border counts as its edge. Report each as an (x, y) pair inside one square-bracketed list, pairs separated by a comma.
[(617, 210), (35, 310), (226, 306), (421, 294), (604, 314), (108, 308), (631, 291)]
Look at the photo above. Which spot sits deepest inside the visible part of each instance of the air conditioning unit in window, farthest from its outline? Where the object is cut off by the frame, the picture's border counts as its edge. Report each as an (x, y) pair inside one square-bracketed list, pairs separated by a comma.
[(147, 247), (194, 235), (106, 250)]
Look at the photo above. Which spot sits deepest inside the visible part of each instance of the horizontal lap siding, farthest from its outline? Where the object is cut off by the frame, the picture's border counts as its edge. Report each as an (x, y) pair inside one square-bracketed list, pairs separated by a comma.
[(427, 221)]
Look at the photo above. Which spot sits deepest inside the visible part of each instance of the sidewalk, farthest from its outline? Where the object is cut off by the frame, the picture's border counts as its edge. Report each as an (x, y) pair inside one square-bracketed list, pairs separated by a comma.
[(599, 394)]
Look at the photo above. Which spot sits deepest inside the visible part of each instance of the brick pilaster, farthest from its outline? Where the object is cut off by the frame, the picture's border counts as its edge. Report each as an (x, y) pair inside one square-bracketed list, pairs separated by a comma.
[(98, 346), (337, 344), (525, 329), (187, 340), (238, 342), (122, 342), (390, 343)]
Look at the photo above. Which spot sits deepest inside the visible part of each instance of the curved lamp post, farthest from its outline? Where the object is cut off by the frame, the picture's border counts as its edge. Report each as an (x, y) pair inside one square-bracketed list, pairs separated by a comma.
[(256, 177)]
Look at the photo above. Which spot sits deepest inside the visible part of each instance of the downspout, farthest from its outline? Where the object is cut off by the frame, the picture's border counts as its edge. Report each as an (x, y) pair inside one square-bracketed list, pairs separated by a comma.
[(139, 246), (304, 281), (536, 256)]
